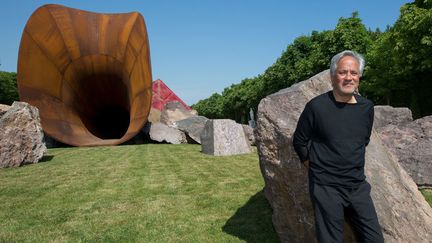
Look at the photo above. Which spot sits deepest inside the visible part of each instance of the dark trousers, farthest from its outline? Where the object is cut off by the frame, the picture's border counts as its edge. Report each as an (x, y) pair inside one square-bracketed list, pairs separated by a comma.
[(333, 204)]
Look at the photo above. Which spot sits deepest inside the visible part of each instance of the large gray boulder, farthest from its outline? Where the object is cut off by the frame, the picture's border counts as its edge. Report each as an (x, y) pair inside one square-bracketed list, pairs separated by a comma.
[(403, 213), (411, 145), (21, 136), (192, 126), (249, 133), (154, 115), (386, 115), (162, 133), (174, 111), (3, 109), (224, 137)]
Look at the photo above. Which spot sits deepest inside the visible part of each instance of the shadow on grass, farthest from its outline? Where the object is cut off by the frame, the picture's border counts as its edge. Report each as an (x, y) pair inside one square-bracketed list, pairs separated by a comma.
[(46, 158), (253, 221)]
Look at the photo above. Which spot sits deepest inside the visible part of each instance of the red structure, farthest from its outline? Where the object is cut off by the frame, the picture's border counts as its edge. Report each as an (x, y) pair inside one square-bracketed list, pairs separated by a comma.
[(162, 95)]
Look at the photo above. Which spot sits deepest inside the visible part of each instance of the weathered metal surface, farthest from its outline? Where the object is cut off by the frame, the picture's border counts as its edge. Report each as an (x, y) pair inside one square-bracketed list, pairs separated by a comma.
[(88, 73)]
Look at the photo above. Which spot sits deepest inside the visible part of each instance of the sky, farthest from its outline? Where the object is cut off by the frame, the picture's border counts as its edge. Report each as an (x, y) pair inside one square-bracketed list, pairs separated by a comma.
[(199, 47)]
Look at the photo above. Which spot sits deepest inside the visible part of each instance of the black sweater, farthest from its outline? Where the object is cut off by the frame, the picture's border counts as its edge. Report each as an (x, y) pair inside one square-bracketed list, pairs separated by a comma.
[(333, 136)]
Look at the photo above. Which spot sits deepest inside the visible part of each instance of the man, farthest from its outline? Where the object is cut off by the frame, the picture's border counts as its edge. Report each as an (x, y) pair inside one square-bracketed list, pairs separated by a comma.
[(330, 139)]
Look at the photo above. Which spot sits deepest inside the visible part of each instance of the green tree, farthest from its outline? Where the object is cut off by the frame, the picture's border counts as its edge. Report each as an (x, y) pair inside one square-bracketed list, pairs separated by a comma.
[(306, 56), (309, 55), (234, 102), (400, 66), (8, 88), (210, 107)]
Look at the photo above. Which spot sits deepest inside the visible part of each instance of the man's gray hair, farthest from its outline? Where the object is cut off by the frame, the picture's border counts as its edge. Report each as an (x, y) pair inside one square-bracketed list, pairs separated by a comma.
[(336, 58)]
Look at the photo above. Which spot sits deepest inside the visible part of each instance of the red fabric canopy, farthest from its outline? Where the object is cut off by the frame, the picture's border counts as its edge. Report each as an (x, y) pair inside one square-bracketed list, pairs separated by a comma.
[(162, 95)]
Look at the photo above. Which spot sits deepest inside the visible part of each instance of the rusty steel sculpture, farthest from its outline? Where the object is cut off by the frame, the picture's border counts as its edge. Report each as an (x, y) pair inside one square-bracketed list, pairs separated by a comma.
[(88, 73)]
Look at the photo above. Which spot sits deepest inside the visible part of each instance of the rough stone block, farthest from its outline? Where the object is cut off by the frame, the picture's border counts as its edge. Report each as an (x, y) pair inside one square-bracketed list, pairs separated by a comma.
[(21, 136), (224, 137)]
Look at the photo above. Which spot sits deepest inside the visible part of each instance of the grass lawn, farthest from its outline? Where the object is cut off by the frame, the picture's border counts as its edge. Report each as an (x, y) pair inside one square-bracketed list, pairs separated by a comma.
[(135, 193), (427, 193)]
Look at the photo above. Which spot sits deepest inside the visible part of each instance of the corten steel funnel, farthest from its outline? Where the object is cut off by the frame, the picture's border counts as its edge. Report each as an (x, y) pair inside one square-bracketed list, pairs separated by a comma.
[(88, 73)]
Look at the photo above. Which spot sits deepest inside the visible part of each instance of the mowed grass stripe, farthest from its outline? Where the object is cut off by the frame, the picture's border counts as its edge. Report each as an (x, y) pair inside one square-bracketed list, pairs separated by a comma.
[(135, 193)]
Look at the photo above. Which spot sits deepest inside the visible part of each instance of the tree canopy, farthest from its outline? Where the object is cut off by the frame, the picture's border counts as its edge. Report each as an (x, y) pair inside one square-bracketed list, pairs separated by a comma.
[(306, 56), (8, 88), (398, 65)]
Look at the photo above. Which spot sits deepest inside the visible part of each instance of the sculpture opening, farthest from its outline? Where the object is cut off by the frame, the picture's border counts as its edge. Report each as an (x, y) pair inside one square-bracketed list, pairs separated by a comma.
[(102, 105), (89, 74)]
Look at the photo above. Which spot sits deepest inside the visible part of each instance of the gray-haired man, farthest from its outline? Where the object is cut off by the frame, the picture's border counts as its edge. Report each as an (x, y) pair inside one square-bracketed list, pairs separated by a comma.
[(330, 139)]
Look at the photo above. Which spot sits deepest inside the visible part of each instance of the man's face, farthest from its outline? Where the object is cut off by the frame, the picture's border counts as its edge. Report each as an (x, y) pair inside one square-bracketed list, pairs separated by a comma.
[(347, 76)]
